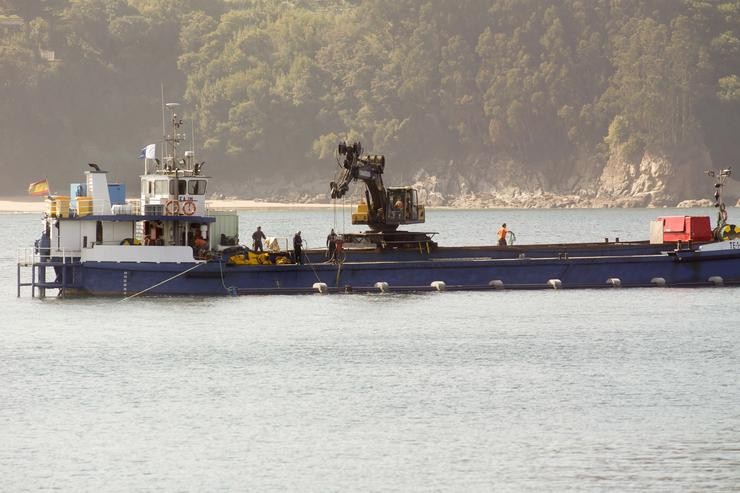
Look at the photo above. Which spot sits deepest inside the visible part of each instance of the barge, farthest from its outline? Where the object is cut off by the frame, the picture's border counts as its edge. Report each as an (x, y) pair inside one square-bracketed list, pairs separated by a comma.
[(167, 242)]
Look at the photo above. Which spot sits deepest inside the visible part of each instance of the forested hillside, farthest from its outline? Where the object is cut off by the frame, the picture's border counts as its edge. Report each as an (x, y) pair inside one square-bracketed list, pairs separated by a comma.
[(579, 102)]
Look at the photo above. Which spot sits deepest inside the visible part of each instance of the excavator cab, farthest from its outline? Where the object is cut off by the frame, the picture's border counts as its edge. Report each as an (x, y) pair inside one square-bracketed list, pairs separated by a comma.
[(404, 206)]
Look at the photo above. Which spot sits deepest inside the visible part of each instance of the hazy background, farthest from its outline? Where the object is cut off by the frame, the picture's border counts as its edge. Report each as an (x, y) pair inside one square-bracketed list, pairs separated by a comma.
[(551, 96)]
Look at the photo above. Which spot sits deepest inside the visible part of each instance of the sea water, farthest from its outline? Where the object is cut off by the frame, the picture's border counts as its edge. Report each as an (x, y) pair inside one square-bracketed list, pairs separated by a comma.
[(612, 389)]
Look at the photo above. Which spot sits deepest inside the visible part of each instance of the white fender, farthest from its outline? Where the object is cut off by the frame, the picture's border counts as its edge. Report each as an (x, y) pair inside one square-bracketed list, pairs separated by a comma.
[(382, 286), (716, 280), (439, 285)]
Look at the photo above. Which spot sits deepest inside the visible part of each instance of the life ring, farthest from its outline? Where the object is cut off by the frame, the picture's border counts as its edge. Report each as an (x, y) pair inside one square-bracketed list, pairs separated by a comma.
[(188, 208), (172, 207)]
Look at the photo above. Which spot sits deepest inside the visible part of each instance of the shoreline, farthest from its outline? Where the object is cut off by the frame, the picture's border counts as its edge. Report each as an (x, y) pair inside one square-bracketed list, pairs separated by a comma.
[(24, 205)]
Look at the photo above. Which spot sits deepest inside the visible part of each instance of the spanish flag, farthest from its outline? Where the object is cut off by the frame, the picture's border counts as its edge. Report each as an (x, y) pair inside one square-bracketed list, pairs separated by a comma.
[(39, 188)]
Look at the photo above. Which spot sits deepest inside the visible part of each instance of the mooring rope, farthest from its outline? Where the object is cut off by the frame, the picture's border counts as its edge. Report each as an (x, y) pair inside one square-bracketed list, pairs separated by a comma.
[(311, 264), (232, 290), (340, 262), (165, 281)]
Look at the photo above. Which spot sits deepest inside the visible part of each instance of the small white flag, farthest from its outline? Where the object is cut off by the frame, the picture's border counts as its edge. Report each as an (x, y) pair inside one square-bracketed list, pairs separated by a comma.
[(151, 151)]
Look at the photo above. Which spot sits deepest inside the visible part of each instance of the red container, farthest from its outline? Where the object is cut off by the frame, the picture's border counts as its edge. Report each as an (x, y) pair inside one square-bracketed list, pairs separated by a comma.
[(686, 228)]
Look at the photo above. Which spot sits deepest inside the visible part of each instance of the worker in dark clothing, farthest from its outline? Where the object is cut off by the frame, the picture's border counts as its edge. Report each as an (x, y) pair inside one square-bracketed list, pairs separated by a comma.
[(297, 248), (331, 246), (257, 238)]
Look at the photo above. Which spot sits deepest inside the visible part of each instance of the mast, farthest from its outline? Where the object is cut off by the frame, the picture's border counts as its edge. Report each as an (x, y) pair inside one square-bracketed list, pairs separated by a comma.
[(164, 127)]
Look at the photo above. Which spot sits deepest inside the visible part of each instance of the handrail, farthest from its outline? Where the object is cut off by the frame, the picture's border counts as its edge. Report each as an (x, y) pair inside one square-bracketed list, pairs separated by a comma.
[(87, 207), (32, 255)]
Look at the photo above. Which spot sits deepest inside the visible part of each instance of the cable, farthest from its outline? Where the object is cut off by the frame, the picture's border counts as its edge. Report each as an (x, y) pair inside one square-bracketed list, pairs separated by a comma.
[(335, 212), (165, 281), (230, 289), (339, 262), (310, 264)]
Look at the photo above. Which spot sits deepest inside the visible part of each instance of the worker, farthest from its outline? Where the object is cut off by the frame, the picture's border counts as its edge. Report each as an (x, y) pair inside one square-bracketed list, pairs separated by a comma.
[(331, 246), (199, 242), (398, 208), (200, 245), (502, 232), (297, 248), (257, 238)]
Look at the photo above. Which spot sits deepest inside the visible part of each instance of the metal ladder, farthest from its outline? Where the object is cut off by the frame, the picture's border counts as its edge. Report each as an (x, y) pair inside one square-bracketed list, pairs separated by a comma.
[(30, 257)]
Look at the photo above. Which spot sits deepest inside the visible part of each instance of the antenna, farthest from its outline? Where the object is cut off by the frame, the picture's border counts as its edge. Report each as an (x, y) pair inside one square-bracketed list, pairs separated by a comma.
[(176, 137), (164, 126)]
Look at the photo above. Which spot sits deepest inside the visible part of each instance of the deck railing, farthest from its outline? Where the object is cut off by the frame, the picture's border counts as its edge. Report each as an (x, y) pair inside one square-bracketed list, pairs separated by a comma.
[(27, 256), (85, 206)]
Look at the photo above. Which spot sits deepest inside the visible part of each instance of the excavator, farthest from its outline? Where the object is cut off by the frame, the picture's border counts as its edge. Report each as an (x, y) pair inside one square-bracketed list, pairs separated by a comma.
[(384, 209)]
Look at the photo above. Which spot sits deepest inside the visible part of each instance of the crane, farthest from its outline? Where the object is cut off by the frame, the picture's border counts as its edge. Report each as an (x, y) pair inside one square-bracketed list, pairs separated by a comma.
[(383, 209)]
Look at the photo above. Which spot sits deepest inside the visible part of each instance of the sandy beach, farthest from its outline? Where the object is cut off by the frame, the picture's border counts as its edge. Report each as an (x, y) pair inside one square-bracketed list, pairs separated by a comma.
[(37, 205)]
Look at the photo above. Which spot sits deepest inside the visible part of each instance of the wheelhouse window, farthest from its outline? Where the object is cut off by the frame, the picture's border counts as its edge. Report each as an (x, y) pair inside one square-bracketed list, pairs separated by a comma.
[(182, 186), (197, 187), (161, 187)]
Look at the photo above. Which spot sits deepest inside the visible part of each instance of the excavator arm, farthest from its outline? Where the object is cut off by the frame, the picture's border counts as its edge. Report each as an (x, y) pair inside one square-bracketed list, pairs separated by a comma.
[(368, 169)]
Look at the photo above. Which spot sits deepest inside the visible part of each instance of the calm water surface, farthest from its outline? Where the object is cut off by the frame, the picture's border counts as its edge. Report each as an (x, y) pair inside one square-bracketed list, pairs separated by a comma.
[(545, 390)]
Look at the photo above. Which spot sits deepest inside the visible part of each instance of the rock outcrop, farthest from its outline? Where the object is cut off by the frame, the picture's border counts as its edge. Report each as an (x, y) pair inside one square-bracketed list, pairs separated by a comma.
[(656, 180)]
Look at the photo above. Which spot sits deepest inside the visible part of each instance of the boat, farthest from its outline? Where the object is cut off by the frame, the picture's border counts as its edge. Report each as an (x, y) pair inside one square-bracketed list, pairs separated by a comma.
[(95, 242)]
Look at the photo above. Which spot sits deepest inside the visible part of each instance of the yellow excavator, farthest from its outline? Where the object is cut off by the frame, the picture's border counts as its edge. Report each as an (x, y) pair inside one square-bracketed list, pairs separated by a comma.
[(384, 209)]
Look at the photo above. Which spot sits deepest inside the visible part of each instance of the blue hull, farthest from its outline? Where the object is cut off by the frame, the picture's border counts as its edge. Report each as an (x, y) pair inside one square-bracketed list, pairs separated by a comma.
[(644, 268)]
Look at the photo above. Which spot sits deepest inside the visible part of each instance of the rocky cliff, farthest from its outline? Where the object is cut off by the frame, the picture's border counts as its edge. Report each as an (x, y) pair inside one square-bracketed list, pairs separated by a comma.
[(656, 179)]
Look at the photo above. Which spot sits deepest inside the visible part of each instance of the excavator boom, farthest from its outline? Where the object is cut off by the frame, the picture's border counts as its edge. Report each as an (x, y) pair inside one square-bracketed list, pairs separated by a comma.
[(384, 209)]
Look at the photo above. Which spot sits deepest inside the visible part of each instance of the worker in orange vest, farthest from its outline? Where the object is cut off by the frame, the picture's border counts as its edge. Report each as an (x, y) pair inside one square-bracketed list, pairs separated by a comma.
[(502, 232)]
